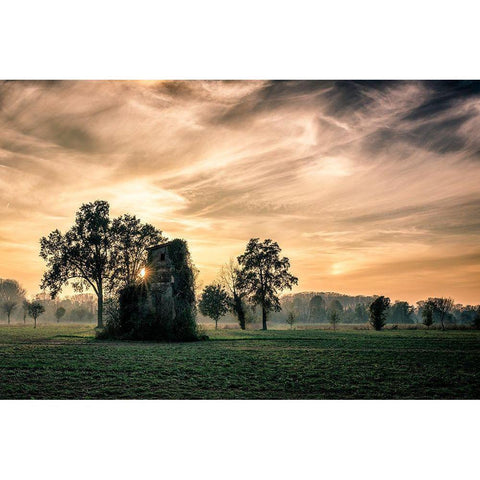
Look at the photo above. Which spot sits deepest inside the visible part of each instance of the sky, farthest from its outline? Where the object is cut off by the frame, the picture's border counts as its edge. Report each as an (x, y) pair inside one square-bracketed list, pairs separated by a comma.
[(369, 187)]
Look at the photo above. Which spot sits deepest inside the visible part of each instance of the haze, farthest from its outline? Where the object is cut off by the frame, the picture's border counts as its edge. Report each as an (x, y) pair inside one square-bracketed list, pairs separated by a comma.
[(368, 187)]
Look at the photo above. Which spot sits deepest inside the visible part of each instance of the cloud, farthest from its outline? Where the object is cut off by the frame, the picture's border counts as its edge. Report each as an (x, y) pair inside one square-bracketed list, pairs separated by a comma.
[(353, 179)]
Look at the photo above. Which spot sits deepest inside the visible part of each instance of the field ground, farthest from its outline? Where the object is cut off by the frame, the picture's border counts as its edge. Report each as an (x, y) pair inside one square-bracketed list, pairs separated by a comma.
[(67, 362)]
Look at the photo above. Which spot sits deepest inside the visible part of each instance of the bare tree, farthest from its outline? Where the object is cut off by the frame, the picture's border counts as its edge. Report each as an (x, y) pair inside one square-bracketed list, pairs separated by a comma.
[(230, 279)]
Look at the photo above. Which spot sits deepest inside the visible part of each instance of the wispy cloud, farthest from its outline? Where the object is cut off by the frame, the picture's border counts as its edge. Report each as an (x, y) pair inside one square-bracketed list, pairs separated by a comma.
[(369, 187)]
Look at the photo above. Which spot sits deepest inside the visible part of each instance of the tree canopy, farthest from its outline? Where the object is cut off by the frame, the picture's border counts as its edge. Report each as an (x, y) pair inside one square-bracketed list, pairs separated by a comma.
[(96, 252), (11, 294), (214, 302), (265, 275)]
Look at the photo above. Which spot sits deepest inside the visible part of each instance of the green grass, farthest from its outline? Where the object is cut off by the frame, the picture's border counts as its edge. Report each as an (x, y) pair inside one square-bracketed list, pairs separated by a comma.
[(66, 361)]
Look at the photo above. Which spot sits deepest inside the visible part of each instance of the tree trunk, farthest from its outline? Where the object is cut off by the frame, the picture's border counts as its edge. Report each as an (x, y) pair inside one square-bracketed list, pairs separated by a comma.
[(264, 319), (441, 321), (216, 323), (34, 322), (100, 308), (8, 315)]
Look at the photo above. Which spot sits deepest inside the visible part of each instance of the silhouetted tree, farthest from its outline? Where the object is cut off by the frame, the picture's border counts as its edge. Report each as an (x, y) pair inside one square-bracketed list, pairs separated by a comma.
[(427, 314), (230, 276), (442, 307), (378, 311), (214, 302), (59, 313), (130, 240), (334, 317), (317, 308), (476, 319), (265, 275), (83, 254), (25, 310), (291, 319), (35, 309), (11, 294)]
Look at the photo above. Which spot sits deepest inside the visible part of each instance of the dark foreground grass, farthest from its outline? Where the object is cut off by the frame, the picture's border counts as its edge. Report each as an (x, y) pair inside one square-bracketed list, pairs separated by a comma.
[(65, 361)]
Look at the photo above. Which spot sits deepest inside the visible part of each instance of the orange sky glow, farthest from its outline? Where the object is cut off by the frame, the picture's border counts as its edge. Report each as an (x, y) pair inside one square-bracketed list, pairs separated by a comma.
[(368, 187)]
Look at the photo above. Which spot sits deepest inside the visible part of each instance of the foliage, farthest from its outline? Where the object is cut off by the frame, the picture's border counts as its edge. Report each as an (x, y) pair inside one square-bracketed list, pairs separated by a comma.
[(378, 310), (35, 309), (59, 313), (291, 318), (427, 314), (441, 308), (130, 240), (333, 317), (96, 252), (317, 308), (476, 319), (361, 313), (401, 312), (265, 275), (214, 302), (230, 279), (11, 294), (146, 313)]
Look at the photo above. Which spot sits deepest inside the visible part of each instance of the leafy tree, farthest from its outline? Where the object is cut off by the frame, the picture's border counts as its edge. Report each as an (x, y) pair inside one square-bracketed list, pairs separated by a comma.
[(130, 240), (427, 314), (317, 308), (476, 319), (337, 306), (401, 312), (83, 254), (214, 302), (334, 317), (265, 275), (59, 313), (378, 311), (35, 309), (96, 252), (291, 319), (25, 310), (441, 307), (11, 294), (230, 276), (361, 313)]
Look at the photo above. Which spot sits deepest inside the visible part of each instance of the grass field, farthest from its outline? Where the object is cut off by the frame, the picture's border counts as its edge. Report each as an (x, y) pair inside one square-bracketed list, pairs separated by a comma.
[(67, 362)]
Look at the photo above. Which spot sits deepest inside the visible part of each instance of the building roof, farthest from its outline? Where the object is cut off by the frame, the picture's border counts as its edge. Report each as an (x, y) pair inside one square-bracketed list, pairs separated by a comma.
[(159, 246)]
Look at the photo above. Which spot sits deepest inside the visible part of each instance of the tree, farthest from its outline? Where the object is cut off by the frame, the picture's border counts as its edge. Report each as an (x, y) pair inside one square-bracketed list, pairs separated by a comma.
[(59, 313), (11, 294), (441, 307), (35, 309), (230, 276), (378, 311), (317, 308), (476, 319), (96, 253), (214, 302), (291, 319), (265, 275), (401, 312), (334, 317), (427, 314), (25, 309), (130, 240), (361, 313)]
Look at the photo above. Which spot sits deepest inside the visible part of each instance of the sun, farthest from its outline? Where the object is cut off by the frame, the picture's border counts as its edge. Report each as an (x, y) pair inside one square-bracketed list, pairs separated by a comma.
[(142, 273)]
